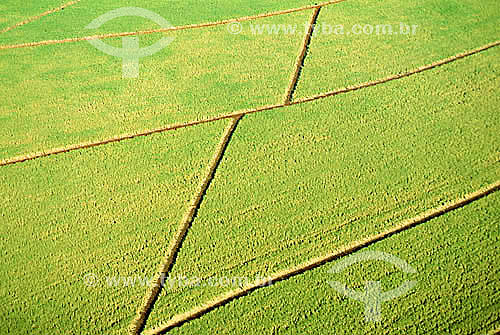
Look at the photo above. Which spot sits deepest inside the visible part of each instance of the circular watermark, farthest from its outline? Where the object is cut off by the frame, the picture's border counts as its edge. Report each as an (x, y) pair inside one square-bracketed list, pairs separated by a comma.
[(372, 297), (90, 279), (235, 28), (130, 51)]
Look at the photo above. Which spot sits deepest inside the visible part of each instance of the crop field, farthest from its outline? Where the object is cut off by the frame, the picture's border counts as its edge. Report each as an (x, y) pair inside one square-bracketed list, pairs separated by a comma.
[(280, 167)]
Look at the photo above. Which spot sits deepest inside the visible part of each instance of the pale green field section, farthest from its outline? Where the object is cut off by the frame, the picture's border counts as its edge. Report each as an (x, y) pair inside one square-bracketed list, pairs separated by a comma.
[(302, 182), (59, 95), (105, 212), (456, 258), (71, 21), (339, 58)]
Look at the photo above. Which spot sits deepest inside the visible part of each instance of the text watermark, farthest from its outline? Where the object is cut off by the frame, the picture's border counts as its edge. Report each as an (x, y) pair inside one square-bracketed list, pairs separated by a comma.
[(323, 29)]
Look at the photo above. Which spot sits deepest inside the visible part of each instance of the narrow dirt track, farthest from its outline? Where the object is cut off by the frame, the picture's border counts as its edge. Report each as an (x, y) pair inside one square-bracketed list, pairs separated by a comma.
[(152, 295), (302, 56)]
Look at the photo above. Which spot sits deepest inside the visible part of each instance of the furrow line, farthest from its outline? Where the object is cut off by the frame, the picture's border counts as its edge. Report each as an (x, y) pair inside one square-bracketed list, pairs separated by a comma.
[(301, 58), (401, 75), (143, 312), (224, 299)]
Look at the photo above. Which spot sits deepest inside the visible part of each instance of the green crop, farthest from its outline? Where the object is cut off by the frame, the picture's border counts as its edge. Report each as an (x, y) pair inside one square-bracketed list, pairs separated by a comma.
[(83, 232)]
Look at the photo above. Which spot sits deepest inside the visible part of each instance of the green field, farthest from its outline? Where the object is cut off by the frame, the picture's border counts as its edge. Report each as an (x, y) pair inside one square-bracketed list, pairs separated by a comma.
[(84, 232), (455, 291)]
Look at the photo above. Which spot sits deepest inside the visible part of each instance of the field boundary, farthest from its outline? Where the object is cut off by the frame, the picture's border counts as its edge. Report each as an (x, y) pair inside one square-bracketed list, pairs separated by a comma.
[(166, 30), (301, 58), (314, 263), (119, 138), (39, 16), (151, 297)]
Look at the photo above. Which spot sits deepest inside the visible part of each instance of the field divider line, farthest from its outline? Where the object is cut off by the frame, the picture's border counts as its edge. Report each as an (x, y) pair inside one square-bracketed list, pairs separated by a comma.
[(39, 16), (314, 263), (139, 322), (302, 56), (166, 30), (119, 138), (401, 75)]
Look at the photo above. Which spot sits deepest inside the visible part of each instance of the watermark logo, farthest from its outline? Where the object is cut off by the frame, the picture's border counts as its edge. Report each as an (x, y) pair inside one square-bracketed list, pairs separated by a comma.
[(372, 297), (130, 52), (234, 28), (90, 279)]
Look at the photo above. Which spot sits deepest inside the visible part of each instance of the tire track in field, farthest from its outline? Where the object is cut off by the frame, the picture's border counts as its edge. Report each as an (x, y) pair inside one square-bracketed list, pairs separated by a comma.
[(302, 56), (165, 30), (314, 263), (119, 138), (39, 16), (143, 312)]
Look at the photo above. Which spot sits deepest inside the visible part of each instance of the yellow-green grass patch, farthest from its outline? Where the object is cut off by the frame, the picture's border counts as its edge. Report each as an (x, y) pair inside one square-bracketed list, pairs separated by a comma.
[(92, 217), (456, 260), (72, 21)]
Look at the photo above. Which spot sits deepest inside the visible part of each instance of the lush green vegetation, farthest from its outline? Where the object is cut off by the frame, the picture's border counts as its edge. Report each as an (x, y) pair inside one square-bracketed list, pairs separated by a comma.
[(72, 21), (456, 261), (339, 170), (109, 211), (445, 28), (295, 183), (14, 12)]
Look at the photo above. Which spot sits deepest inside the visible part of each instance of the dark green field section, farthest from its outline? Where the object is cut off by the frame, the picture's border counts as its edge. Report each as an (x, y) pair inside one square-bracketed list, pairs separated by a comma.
[(71, 21), (108, 211), (301, 182), (456, 258), (445, 28), (59, 95)]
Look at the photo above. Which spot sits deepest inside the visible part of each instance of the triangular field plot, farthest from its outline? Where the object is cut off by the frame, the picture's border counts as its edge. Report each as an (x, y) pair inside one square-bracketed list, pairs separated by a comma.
[(84, 232)]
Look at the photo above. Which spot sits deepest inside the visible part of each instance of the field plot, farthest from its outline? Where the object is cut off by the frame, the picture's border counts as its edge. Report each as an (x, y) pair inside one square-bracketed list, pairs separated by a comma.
[(334, 171), (109, 211), (82, 97), (92, 210), (456, 260), (72, 21), (445, 28)]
